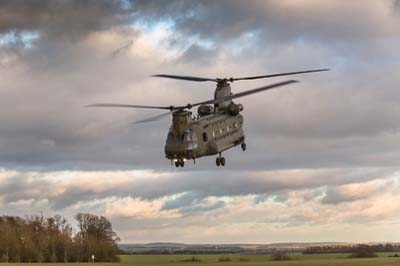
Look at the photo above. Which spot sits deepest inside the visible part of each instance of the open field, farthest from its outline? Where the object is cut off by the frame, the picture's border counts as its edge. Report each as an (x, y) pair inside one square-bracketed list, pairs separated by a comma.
[(297, 259), (246, 260)]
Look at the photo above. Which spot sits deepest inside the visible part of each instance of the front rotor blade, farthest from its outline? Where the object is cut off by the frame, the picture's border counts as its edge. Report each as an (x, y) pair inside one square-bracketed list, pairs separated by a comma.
[(152, 118), (245, 93), (130, 106), (198, 79), (280, 74)]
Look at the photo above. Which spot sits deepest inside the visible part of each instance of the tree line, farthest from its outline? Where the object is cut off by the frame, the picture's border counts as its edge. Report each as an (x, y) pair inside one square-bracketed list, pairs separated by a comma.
[(355, 249), (52, 239)]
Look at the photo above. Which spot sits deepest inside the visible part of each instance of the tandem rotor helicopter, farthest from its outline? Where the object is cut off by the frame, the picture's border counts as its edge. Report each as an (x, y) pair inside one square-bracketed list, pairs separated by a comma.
[(218, 125)]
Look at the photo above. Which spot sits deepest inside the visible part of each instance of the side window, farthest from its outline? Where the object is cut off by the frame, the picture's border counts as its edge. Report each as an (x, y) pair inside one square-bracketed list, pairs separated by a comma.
[(170, 137), (205, 137)]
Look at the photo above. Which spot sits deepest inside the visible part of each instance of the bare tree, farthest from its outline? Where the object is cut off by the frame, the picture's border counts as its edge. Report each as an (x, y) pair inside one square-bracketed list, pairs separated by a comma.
[(51, 239)]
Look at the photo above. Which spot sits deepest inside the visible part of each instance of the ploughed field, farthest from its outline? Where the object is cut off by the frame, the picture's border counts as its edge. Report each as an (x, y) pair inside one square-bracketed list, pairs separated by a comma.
[(383, 259)]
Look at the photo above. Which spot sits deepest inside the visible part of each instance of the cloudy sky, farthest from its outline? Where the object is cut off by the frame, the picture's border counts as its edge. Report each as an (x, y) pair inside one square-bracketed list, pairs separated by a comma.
[(323, 155)]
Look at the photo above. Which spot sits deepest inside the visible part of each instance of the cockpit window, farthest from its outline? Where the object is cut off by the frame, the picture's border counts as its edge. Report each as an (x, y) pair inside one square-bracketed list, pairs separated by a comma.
[(171, 137), (189, 136)]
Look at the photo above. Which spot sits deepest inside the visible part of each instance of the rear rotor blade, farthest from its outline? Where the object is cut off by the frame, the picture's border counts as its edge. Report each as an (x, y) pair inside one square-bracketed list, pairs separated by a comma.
[(279, 74), (130, 106), (245, 93), (152, 118), (190, 78), (201, 79)]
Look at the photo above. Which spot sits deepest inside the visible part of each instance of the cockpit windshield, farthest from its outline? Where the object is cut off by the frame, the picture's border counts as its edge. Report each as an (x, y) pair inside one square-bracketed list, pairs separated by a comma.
[(188, 136), (171, 137)]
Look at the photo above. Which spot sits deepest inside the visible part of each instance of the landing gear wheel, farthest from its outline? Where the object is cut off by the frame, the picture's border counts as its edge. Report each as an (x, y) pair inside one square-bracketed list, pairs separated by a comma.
[(177, 164), (218, 161), (244, 146), (182, 163), (222, 161)]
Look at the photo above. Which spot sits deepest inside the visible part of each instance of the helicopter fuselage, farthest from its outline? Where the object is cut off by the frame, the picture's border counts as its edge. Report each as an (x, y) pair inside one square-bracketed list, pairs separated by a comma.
[(191, 138)]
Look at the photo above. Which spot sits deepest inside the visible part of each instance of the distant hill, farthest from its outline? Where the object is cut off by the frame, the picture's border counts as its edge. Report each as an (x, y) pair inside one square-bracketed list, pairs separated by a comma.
[(180, 248)]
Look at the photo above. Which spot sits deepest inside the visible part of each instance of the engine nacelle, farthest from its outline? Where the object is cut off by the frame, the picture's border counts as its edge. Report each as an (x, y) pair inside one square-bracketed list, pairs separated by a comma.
[(234, 109), (180, 120), (205, 110)]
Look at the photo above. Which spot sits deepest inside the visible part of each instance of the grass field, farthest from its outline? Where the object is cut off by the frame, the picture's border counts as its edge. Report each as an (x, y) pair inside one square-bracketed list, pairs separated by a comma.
[(245, 260)]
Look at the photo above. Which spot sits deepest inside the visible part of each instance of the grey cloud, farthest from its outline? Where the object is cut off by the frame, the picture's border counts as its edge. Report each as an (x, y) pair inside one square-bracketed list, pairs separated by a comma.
[(202, 208), (260, 198), (192, 202), (22, 187), (224, 20), (121, 50), (61, 17), (187, 199), (72, 195), (396, 5), (199, 55), (336, 196), (191, 188), (277, 196), (342, 194), (281, 197)]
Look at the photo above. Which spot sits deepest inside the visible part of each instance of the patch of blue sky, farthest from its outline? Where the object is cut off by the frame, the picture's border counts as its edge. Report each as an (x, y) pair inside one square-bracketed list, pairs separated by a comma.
[(27, 38), (126, 4), (164, 33), (149, 25), (156, 30)]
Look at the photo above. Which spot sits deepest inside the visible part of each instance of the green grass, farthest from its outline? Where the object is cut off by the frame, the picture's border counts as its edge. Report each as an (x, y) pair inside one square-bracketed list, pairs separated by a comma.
[(243, 260), (296, 259)]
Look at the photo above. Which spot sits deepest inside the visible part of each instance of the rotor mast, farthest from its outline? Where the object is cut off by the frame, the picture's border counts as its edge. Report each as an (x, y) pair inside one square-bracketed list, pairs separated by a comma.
[(222, 90)]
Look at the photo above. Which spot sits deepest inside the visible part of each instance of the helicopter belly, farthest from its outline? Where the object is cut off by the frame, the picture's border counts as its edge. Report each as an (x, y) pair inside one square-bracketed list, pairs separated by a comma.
[(181, 151)]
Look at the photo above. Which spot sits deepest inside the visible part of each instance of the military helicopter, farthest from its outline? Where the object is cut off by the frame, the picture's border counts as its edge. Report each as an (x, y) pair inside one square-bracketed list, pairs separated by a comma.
[(218, 125)]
